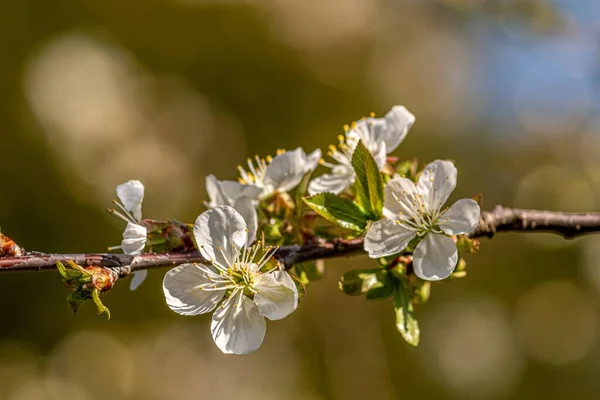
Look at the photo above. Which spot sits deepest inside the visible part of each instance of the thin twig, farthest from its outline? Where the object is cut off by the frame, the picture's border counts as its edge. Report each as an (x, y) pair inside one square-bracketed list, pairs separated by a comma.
[(499, 219)]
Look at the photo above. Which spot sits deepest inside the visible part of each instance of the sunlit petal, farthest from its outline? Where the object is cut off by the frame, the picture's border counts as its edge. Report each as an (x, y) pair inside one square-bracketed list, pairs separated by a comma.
[(237, 327), (215, 192), (461, 218), (220, 232), (225, 193), (277, 295), (435, 257), (436, 183), (245, 207), (134, 239), (392, 129), (183, 293), (131, 194), (286, 170), (335, 182), (312, 159), (385, 238), (401, 199)]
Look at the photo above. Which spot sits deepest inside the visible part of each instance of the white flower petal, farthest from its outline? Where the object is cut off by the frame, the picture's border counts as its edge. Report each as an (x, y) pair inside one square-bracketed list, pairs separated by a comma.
[(312, 159), (215, 192), (237, 327), (380, 155), (461, 218), (435, 257), (353, 136), (225, 193), (286, 170), (364, 131), (277, 295), (245, 207), (336, 182), (385, 238), (394, 127), (436, 183), (183, 294), (134, 239), (400, 199), (131, 194), (234, 190), (137, 278), (220, 232)]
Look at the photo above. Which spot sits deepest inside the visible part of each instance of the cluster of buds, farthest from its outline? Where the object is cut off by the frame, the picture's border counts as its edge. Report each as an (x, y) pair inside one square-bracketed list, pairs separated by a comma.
[(87, 283)]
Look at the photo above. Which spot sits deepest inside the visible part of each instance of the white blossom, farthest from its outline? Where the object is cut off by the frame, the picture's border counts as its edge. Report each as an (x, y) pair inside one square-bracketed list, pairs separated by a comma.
[(131, 194), (281, 173), (416, 210), (381, 136), (233, 283)]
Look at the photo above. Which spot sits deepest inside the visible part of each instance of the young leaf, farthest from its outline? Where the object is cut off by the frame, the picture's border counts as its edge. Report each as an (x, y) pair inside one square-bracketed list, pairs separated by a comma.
[(369, 183), (405, 318), (374, 282), (339, 210)]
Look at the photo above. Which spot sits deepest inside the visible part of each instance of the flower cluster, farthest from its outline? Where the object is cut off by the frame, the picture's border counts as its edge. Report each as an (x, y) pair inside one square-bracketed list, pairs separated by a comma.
[(396, 208)]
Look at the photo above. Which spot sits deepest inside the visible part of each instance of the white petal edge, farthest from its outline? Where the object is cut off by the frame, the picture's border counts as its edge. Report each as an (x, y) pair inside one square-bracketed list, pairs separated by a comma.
[(435, 257), (234, 190), (277, 295), (181, 286), (137, 278), (386, 238), (220, 232), (397, 123), (237, 326), (380, 155), (134, 239), (436, 183), (286, 170), (131, 194), (215, 192), (461, 218), (336, 182), (312, 159), (245, 207)]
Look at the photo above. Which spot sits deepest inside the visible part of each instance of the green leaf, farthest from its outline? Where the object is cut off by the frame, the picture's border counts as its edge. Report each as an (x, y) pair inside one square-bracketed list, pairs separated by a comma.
[(381, 293), (368, 183), (339, 210), (374, 282), (405, 318)]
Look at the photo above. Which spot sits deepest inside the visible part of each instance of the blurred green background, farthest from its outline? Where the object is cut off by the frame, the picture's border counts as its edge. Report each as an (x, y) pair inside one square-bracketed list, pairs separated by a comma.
[(167, 91)]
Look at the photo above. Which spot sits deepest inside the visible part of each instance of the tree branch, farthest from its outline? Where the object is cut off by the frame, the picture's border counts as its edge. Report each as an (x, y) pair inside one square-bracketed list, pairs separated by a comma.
[(499, 219), (568, 225)]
